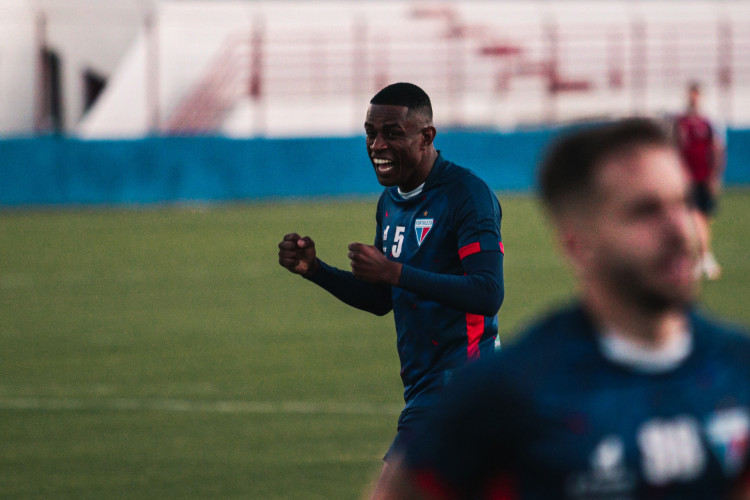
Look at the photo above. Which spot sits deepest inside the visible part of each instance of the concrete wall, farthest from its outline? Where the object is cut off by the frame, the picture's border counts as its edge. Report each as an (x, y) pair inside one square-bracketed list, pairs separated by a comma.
[(17, 67)]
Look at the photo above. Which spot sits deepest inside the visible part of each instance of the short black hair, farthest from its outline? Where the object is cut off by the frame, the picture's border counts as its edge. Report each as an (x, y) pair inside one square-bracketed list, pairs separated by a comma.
[(405, 94), (571, 163)]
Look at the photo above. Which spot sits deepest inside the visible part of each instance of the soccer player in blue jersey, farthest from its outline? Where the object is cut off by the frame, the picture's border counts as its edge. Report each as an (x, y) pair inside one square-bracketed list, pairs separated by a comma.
[(437, 261), (630, 393)]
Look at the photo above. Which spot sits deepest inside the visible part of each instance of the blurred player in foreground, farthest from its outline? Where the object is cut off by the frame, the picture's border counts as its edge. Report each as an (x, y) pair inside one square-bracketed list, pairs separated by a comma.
[(628, 393), (703, 154), (437, 261)]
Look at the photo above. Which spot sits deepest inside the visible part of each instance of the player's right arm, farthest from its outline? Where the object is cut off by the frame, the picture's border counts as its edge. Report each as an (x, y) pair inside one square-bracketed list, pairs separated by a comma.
[(297, 254)]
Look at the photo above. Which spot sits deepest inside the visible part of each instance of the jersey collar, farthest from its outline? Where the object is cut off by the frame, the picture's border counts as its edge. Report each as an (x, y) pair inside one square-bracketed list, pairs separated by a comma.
[(623, 353), (620, 350)]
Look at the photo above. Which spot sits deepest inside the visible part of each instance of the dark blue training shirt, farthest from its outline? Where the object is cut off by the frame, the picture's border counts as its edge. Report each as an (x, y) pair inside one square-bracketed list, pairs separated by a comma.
[(439, 328), (451, 286), (552, 417)]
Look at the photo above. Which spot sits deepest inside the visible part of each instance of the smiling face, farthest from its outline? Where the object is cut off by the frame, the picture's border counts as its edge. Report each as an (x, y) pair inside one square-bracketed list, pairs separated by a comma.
[(399, 145), (638, 239)]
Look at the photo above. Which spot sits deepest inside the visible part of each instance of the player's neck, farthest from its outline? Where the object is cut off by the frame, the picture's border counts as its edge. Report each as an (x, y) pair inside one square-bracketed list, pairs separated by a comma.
[(425, 167), (647, 327), (429, 161)]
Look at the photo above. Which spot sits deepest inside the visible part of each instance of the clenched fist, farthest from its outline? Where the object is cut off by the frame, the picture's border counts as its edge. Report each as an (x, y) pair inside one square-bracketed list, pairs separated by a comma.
[(297, 254)]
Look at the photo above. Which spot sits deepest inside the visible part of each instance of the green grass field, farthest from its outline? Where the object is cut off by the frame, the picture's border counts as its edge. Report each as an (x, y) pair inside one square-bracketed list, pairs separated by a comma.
[(164, 353)]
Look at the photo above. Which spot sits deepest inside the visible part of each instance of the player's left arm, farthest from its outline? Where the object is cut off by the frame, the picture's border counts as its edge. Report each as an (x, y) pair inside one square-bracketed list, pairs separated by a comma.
[(476, 217), (480, 291)]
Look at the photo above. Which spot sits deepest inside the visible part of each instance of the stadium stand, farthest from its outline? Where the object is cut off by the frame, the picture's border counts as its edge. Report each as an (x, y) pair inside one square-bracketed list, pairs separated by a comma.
[(248, 68)]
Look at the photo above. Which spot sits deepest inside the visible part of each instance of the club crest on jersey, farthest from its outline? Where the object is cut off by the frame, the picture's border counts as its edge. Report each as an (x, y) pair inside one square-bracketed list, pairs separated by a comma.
[(729, 434), (422, 227)]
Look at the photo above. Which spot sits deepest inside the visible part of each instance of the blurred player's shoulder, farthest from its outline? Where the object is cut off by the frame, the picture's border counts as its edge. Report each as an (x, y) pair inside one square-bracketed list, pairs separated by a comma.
[(563, 326), (729, 340), (460, 178), (551, 348)]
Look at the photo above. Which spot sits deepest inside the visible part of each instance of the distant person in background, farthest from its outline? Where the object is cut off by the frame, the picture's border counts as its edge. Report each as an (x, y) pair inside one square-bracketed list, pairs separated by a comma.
[(703, 154), (437, 261), (630, 393)]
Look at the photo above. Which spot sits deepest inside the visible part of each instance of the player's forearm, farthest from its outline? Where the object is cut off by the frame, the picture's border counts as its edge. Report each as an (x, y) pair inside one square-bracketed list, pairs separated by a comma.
[(369, 297), (480, 291)]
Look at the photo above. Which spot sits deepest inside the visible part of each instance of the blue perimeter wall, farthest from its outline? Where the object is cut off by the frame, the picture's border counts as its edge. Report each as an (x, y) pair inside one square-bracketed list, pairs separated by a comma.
[(63, 171)]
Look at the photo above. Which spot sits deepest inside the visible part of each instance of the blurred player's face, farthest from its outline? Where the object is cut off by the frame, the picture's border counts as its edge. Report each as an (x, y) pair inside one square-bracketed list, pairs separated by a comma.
[(694, 97), (397, 146), (642, 239)]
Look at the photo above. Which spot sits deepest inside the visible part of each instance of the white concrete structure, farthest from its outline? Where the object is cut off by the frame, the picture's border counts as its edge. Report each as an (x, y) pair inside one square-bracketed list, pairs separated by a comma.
[(86, 34), (17, 68), (284, 68)]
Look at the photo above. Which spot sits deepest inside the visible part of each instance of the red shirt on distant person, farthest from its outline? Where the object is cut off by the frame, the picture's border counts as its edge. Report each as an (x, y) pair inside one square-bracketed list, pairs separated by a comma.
[(696, 140)]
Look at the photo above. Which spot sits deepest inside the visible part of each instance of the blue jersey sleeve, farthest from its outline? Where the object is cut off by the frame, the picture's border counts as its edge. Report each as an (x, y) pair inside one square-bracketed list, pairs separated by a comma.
[(344, 286), (477, 217), (370, 297), (480, 291)]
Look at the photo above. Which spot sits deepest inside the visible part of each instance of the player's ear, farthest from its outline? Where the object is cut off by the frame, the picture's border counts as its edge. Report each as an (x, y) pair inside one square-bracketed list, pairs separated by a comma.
[(428, 135), (574, 242)]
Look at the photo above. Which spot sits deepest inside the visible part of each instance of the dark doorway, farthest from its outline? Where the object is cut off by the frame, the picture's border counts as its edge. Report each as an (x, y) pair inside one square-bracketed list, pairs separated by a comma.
[(50, 118), (93, 85)]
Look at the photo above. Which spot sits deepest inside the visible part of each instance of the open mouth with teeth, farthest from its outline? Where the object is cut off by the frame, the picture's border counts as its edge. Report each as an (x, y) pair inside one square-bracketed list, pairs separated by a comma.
[(382, 165)]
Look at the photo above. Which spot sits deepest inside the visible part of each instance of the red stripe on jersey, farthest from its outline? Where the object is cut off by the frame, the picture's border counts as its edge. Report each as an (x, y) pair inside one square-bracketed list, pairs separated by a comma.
[(473, 248), (474, 331), (469, 249)]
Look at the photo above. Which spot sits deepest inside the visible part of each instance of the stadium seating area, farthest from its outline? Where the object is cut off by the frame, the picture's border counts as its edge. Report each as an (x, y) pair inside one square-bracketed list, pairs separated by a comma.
[(291, 68), (304, 68)]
